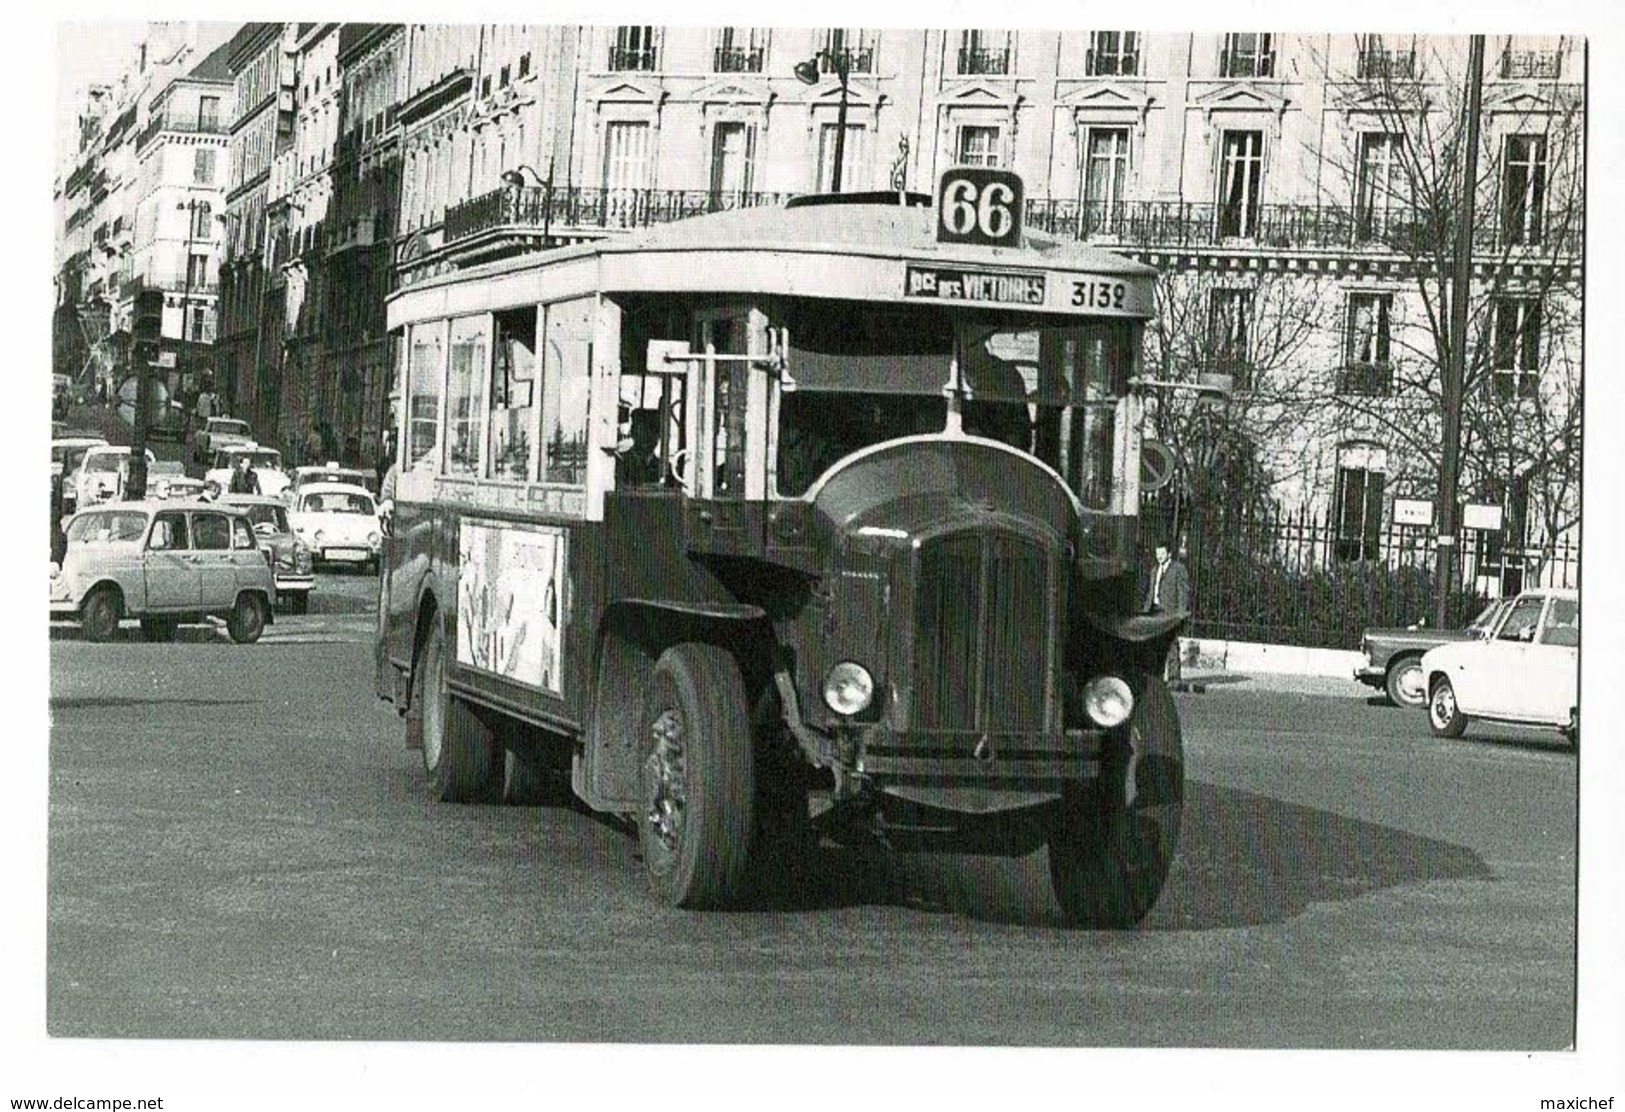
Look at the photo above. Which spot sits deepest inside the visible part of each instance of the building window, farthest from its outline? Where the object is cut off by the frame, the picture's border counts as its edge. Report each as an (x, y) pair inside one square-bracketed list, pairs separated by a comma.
[(197, 271), (739, 50), (1113, 54), (986, 52), (208, 113), (202, 220), (852, 45), (1366, 346), (1241, 180), (1516, 347), (1379, 62), (199, 316), (1523, 190), (626, 156), (851, 156), (634, 49), (978, 146), (1357, 502), (1247, 54), (1230, 313), (1105, 172), (1376, 184), (504, 78), (203, 166), (524, 64), (733, 152), (485, 85)]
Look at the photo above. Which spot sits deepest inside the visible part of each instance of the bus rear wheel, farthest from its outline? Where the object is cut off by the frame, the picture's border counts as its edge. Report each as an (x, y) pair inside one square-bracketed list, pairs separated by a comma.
[(459, 750), (1114, 838), (697, 778)]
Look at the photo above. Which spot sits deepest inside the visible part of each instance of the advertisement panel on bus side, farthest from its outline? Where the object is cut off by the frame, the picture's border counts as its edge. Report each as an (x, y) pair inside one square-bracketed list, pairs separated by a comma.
[(511, 602)]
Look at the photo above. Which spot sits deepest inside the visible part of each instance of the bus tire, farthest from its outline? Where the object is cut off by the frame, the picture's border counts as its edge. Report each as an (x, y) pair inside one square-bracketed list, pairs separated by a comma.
[(697, 791), (1110, 852), (459, 750)]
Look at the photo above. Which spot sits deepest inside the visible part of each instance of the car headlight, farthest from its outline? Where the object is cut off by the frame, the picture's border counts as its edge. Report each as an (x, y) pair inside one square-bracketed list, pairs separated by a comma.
[(318, 536), (1108, 701), (849, 688), (373, 538)]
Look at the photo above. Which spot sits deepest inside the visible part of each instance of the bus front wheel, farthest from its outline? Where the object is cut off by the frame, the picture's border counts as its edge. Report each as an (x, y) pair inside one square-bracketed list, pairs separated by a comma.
[(459, 750), (697, 778), (1114, 838)]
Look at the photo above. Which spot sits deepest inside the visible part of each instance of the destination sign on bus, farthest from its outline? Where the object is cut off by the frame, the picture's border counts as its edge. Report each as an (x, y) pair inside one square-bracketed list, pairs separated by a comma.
[(992, 287)]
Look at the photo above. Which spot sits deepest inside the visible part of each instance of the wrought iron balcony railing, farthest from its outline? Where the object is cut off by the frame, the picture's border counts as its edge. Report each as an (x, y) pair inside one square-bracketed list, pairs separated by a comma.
[(532, 209), (738, 59), (1103, 64), (858, 60), (631, 58), (979, 60), (1367, 380), (1185, 224), (1391, 65), (1531, 65)]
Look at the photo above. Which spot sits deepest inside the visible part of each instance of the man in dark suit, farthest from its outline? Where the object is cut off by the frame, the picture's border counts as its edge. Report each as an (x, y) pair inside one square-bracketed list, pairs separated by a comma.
[(1170, 593)]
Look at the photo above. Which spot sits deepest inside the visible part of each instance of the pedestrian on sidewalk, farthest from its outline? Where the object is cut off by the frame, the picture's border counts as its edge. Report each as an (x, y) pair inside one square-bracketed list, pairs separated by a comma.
[(1170, 593)]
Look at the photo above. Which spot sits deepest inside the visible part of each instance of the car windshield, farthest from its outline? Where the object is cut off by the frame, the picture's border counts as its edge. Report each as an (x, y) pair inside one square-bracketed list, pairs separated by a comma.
[(1486, 617), (1562, 623), (337, 502), (266, 458), (230, 427), (111, 525), (264, 513), (105, 461)]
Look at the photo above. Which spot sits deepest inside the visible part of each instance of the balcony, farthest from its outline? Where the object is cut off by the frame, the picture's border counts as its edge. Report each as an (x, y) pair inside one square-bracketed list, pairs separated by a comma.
[(1237, 63), (1531, 65), (169, 122), (576, 210), (737, 59), (623, 58), (1365, 380), (979, 60), (860, 60), (1190, 225), (1386, 65), (1099, 63)]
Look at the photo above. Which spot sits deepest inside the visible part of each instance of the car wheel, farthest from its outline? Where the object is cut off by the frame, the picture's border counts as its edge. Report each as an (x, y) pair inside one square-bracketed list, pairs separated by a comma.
[(1444, 716), (697, 781), (1407, 686), (159, 629), (459, 751), (247, 620), (1114, 838), (101, 613)]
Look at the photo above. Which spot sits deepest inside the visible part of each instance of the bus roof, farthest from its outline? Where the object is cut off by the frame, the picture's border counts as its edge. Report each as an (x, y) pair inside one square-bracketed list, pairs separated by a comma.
[(883, 252)]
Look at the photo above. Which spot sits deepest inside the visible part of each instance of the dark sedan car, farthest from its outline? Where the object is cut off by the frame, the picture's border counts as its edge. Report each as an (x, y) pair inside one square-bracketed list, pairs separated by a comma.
[(1393, 657), (290, 559)]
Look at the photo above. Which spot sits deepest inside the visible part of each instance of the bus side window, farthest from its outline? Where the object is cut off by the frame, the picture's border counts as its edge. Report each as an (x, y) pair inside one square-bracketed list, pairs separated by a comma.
[(426, 376), (513, 395), (567, 390)]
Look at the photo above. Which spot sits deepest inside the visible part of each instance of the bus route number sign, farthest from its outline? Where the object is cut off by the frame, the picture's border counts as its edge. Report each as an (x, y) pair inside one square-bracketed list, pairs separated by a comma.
[(978, 205)]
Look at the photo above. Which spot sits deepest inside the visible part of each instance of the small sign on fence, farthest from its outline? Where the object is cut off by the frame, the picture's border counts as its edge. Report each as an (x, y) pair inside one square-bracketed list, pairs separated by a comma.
[(1413, 511), (1482, 517)]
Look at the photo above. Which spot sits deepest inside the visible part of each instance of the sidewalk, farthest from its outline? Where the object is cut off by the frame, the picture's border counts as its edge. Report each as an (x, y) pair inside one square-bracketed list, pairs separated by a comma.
[(1216, 666)]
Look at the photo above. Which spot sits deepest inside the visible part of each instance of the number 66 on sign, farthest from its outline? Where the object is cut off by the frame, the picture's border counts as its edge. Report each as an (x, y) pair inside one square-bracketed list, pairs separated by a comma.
[(977, 205)]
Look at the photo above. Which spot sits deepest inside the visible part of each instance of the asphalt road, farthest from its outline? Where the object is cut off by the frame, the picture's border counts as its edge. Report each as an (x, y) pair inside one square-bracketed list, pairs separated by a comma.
[(240, 847)]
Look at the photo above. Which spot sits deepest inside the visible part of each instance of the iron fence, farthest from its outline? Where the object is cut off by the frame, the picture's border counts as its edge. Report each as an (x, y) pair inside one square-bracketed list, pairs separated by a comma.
[(1299, 579)]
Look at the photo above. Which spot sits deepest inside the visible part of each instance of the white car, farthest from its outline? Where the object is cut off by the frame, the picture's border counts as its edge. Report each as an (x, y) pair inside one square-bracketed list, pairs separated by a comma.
[(65, 451), (218, 433), (339, 523), (1524, 669), (266, 464), (98, 478)]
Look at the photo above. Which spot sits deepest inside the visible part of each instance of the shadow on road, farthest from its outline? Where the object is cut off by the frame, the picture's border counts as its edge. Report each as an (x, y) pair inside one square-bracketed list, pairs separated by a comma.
[(1244, 859)]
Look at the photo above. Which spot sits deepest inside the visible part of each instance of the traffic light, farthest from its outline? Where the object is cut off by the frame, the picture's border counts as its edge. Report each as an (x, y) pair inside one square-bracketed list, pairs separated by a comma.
[(146, 336), (147, 327)]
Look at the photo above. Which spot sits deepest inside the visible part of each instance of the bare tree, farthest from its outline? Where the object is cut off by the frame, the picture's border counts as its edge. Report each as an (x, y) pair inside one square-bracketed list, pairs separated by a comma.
[(1402, 165)]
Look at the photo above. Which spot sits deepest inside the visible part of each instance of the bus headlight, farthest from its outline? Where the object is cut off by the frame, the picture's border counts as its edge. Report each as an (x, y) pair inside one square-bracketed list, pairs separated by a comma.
[(1108, 701), (849, 688)]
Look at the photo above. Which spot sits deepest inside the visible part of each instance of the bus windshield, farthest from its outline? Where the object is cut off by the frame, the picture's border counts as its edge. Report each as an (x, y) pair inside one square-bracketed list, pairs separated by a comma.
[(1047, 386)]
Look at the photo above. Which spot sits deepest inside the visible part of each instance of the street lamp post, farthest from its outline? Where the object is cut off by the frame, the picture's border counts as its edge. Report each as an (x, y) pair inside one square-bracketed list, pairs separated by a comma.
[(516, 178), (807, 73)]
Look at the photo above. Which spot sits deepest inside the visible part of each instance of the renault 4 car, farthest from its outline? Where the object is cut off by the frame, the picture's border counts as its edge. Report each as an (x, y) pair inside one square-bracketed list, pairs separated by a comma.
[(339, 522), (162, 563)]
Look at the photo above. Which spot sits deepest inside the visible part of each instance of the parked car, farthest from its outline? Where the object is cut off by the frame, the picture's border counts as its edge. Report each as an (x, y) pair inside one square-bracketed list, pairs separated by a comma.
[(98, 476), (168, 479), (68, 446), (265, 462), (329, 473), (1526, 671), (290, 557), (339, 522), (1393, 657), (162, 563), (218, 433)]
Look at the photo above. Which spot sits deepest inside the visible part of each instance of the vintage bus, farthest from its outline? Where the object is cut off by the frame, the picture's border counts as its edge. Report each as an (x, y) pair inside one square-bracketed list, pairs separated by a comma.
[(790, 523)]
